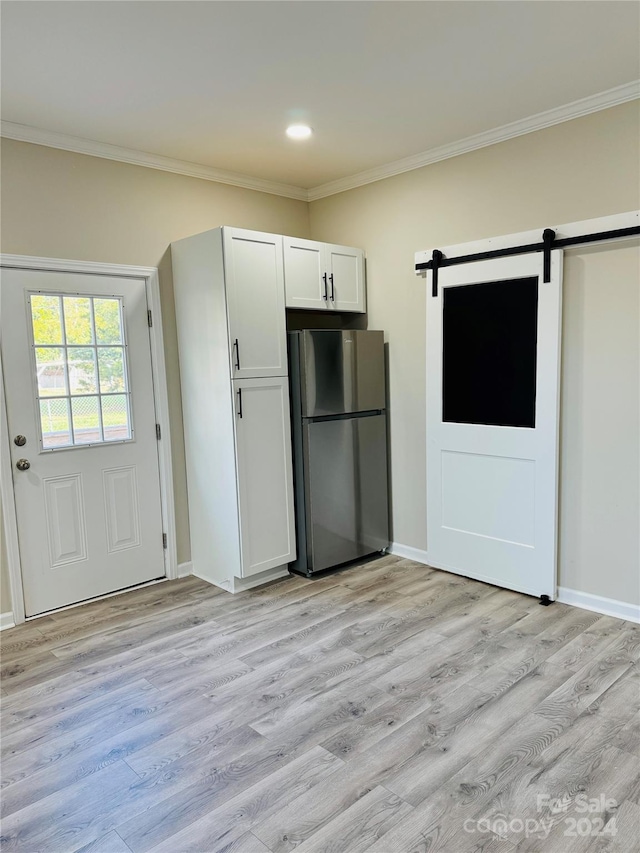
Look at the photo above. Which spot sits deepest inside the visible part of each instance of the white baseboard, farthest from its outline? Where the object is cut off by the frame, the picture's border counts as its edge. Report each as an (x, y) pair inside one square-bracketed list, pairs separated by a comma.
[(6, 621), (599, 604), (408, 553), (234, 585), (185, 569)]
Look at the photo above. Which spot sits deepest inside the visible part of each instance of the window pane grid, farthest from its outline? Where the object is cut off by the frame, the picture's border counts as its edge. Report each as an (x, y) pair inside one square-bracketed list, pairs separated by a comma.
[(97, 371), (91, 371), (79, 346), (91, 394)]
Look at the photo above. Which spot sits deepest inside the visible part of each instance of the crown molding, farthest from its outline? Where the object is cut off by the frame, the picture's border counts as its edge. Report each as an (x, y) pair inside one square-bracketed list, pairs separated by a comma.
[(592, 104), (50, 139), (576, 109)]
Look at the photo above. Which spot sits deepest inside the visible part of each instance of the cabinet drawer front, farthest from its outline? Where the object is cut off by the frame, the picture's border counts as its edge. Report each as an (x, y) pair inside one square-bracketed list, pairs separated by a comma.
[(255, 299), (265, 481)]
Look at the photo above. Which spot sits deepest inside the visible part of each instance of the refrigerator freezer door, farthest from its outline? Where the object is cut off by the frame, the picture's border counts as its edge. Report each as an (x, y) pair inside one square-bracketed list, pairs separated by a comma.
[(346, 483), (342, 372)]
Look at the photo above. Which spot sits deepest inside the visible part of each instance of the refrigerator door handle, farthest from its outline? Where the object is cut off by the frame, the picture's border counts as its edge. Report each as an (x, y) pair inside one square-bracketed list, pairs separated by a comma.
[(325, 295)]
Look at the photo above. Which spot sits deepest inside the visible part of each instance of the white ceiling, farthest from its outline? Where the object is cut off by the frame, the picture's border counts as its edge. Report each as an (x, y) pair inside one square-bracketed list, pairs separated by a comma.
[(216, 83)]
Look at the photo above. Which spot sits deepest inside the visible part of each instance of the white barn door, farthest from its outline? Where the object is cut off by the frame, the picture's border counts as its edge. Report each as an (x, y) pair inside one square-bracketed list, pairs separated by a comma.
[(493, 359)]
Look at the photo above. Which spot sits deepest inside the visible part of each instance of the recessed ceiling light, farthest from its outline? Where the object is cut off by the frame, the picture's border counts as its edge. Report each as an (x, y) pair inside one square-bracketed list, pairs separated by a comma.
[(299, 131)]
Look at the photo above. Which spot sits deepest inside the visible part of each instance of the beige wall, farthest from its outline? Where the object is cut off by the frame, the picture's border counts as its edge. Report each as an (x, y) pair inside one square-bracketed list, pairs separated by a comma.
[(600, 423), (59, 204), (577, 170), (62, 205)]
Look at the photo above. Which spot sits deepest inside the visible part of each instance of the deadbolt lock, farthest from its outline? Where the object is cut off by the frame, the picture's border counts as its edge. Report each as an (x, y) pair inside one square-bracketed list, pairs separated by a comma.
[(20, 440)]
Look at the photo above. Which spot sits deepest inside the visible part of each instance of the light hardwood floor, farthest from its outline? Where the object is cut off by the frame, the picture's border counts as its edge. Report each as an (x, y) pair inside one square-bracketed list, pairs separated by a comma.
[(388, 708)]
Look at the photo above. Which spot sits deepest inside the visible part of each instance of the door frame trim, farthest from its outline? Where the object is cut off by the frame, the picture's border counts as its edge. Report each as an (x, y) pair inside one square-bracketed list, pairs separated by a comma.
[(161, 402)]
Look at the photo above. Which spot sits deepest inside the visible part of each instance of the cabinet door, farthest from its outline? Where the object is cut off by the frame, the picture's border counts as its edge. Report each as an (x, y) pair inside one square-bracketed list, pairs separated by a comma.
[(265, 481), (305, 276), (254, 281), (346, 278)]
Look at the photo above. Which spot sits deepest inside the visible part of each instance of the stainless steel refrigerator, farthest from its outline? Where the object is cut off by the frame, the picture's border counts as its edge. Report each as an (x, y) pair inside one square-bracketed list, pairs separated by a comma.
[(339, 421)]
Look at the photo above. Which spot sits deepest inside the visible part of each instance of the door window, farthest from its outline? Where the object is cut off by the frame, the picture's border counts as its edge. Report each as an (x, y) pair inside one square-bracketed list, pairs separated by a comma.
[(489, 341), (80, 364)]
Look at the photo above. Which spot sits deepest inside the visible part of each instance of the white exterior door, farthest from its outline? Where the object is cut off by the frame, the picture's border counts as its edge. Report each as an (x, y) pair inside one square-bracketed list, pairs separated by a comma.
[(81, 415), (265, 479), (305, 274), (254, 279), (345, 267), (493, 356)]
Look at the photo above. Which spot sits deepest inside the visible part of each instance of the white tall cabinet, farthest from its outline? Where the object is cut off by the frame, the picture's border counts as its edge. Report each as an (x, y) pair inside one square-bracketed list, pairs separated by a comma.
[(230, 300)]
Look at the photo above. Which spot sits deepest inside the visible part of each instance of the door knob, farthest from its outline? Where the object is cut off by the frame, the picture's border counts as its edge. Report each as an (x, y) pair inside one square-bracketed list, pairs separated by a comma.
[(20, 440), (23, 464)]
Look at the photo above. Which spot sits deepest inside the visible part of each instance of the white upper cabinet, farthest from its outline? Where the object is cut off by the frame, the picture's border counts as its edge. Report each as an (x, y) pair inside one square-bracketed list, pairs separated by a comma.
[(305, 275), (265, 479), (323, 277), (254, 280), (345, 267)]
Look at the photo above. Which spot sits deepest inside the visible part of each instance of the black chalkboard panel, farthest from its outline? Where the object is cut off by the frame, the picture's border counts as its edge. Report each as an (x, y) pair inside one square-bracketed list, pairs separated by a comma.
[(490, 333)]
